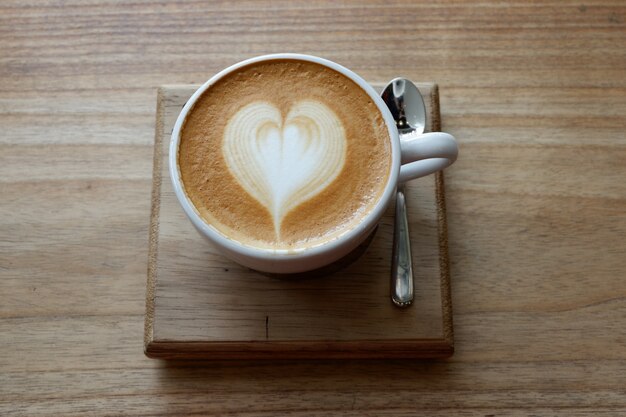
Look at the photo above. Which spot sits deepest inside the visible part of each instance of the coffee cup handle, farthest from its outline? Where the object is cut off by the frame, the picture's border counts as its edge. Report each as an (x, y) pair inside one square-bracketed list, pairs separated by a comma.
[(425, 154)]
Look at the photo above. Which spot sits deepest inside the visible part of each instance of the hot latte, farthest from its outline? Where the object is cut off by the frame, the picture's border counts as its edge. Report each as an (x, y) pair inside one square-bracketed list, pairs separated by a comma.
[(284, 154)]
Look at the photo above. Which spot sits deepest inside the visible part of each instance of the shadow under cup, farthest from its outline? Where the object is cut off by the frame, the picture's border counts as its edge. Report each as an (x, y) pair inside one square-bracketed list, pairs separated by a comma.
[(331, 268)]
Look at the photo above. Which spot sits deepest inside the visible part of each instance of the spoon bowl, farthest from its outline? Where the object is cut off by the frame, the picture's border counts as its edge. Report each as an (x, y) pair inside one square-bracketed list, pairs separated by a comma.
[(406, 105)]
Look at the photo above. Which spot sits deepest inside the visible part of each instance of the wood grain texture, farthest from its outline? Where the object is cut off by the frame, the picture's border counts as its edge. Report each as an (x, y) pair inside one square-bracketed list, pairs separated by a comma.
[(536, 204), (201, 305)]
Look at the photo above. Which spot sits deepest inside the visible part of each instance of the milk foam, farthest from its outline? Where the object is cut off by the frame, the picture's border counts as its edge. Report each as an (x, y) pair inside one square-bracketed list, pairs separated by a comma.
[(283, 163)]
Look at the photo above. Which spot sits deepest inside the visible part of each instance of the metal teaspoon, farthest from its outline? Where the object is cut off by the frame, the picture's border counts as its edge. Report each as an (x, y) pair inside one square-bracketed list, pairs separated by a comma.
[(408, 110)]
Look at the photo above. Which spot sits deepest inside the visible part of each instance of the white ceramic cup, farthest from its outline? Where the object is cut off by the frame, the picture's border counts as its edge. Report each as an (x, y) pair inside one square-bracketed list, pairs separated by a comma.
[(420, 156)]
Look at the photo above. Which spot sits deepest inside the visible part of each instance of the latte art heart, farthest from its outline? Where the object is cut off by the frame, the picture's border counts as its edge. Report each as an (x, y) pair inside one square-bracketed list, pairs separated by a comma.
[(283, 163)]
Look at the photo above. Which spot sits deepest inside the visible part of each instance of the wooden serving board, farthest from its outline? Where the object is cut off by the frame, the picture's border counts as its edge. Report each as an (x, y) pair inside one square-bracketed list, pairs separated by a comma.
[(201, 305)]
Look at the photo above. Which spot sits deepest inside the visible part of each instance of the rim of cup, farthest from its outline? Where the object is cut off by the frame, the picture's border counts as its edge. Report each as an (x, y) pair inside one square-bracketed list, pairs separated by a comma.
[(359, 231)]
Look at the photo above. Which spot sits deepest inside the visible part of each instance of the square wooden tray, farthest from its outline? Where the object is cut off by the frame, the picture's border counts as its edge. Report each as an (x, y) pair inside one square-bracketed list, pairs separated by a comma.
[(201, 305)]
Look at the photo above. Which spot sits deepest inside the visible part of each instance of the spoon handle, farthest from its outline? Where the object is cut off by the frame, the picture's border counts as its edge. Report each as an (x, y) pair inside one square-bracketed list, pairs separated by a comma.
[(401, 266)]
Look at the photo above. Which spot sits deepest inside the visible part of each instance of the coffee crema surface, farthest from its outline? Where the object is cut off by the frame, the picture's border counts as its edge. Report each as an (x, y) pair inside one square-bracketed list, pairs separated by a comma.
[(284, 154)]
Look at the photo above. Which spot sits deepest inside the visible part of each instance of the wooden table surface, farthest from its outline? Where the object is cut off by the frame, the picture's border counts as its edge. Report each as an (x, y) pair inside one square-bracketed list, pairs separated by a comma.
[(536, 94)]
